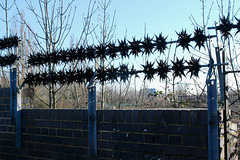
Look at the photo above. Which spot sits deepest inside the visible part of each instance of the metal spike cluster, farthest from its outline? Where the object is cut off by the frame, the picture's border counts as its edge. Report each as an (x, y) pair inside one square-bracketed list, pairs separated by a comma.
[(226, 26), (7, 60), (122, 73), (61, 77), (124, 49), (9, 42)]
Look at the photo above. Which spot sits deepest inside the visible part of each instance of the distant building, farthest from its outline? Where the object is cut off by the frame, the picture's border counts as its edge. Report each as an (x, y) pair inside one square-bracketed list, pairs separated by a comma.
[(147, 91)]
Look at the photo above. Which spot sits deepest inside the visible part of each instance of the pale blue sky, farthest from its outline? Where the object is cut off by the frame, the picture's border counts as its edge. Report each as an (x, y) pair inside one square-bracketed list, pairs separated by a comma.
[(160, 16)]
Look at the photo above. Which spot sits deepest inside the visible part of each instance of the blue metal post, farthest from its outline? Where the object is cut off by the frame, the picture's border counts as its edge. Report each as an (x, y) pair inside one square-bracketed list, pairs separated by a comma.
[(18, 120), (213, 147), (92, 124), (15, 105), (13, 94)]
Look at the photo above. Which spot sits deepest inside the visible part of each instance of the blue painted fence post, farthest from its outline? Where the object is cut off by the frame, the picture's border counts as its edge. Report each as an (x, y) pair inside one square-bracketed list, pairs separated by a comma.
[(15, 105), (92, 124), (213, 147), (13, 94)]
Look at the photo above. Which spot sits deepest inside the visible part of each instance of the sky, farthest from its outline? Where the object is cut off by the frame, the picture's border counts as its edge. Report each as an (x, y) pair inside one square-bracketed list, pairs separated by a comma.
[(135, 18)]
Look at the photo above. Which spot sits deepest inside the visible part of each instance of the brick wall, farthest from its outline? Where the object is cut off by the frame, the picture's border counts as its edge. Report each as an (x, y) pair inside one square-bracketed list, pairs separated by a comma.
[(152, 134), (7, 131), (161, 134)]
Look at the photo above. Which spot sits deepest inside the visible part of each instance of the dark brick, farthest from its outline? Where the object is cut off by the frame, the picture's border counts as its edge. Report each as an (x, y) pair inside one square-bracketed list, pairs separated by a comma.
[(136, 116), (38, 138), (129, 137), (144, 116), (52, 132), (203, 117), (83, 125), (51, 155), (70, 125), (139, 138), (4, 92), (7, 107), (127, 147), (24, 130), (106, 136), (2, 107), (83, 143), (126, 155), (73, 115), (85, 152), (44, 131), (38, 123), (100, 115), (152, 116), (53, 140), (60, 132), (68, 133), (44, 147), (58, 115), (26, 122), (199, 130), (160, 117), (172, 157), (175, 140), (106, 115), (29, 130), (69, 141), (178, 150), (169, 117), (35, 114), (113, 116), (162, 139), (129, 116), (86, 115), (107, 145), (26, 137), (189, 140), (64, 149), (105, 154), (199, 152), (183, 130), (155, 157), (77, 134), (107, 126), (68, 156), (121, 115), (128, 127), (194, 117), (64, 114), (150, 138), (52, 124), (10, 129), (53, 148), (85, 134), (150, 128), (115, 154), (117, 136), (36, 130), (37, 146), (184, 114), (150, 148), (48, 114), (6, 101), (77, 150), (195, 141)]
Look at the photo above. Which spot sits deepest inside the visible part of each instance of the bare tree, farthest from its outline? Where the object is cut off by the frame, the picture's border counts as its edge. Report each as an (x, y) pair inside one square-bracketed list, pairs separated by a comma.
[(107, 26), (54, 20), (6, 7)]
